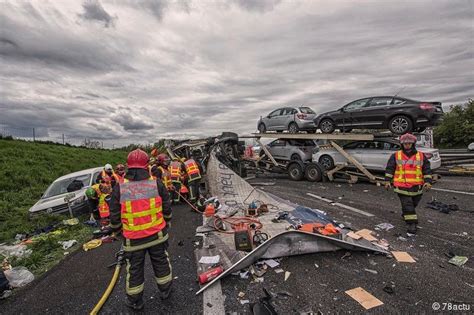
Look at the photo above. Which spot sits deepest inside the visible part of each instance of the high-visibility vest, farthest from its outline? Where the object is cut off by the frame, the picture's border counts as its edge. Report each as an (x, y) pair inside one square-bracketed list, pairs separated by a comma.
[(96, 187), (175, 171), (104, 210), (192, 169), (409, 170), (166, 177), (141, 208)]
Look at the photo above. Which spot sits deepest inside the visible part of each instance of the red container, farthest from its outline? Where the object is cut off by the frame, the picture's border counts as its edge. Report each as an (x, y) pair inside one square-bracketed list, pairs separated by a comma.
[(210, 210), (210, 274)]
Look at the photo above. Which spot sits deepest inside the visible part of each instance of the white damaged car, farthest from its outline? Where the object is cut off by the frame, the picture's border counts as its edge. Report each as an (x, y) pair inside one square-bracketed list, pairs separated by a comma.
[(66, 189), (373, 155)]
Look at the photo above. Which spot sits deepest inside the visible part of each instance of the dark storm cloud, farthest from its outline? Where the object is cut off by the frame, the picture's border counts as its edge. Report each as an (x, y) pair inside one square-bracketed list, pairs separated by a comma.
[(94, 11), (131, 122)]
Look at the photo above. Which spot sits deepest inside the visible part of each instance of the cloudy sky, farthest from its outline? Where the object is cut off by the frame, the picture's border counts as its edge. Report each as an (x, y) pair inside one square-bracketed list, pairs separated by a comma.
[(136, 70)]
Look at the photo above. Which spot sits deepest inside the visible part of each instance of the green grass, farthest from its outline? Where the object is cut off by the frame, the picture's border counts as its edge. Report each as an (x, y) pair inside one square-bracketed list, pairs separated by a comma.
[(26, 170)]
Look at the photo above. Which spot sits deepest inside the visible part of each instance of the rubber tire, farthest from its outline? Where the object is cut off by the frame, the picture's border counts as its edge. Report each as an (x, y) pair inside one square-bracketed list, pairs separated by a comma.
[(329, 162), (262, 128), (295, 171), (409, 125), (295, 128), (295, 157), (332, 127), (313, 172)]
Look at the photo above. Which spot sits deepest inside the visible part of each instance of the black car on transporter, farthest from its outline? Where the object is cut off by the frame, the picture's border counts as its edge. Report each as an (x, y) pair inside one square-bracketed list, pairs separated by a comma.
[(399, 115)]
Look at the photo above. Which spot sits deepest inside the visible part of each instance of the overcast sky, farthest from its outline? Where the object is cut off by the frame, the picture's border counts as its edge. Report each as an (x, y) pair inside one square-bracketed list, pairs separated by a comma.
[(141, 70)]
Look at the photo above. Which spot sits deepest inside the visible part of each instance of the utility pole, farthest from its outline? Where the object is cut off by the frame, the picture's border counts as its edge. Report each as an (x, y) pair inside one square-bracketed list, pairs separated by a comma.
[(34, 136), (63, 139)]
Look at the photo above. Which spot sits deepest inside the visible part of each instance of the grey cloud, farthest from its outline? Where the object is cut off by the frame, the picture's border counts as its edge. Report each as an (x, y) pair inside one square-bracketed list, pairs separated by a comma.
[(94, 11), (131, 122), (260, 6)]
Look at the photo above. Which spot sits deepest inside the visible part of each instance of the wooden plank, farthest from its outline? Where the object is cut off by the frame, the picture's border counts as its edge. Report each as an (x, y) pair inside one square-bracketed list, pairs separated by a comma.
[(364, 298), (264, 148), (338, 167), (353, 161), (316, 136)]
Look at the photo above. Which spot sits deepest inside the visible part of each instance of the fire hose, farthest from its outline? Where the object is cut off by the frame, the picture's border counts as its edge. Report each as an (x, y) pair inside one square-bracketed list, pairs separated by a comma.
[(118, 264)]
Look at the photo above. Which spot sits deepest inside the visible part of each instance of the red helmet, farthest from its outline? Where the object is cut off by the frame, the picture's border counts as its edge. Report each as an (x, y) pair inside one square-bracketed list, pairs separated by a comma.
[(137, 159), (407, 138), (163, 159)]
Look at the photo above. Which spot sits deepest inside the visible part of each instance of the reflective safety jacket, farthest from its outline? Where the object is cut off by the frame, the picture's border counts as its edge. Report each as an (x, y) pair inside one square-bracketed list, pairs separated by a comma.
[(166, 177), (104, 210), (109, 179), (141, 208), (192, 169), (408, 172), (175, 171)]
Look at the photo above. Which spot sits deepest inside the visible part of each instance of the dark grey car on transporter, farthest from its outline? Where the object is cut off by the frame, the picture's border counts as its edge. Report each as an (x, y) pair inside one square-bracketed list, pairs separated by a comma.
[(399, 115)]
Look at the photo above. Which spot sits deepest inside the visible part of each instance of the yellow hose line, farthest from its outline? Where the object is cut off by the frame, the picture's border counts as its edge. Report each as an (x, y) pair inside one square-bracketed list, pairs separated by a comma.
[(107, 292)]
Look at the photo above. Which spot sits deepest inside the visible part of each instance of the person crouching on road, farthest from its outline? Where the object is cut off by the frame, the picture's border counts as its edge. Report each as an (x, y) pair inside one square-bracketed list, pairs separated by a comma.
[(410, 172), (140, 206)]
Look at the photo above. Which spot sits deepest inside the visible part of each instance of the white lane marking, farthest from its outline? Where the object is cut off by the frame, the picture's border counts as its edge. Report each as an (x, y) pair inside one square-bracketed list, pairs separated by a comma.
[(454, 191), (367, 214), (341, 205), (213, 295), (319, 197), (213, 300)]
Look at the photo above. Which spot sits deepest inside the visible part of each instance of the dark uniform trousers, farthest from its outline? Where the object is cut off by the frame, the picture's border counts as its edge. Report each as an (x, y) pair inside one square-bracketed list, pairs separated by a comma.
[(193, 190), (409, 204), (174, 194), (135, 270)]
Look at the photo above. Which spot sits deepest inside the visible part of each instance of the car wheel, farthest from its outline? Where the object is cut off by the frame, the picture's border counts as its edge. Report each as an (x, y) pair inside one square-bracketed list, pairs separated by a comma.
[(327, 162), (295, 157), (327, 126), (293, 128), (295, 171), (262, 128), (313, 172), (400, 124)]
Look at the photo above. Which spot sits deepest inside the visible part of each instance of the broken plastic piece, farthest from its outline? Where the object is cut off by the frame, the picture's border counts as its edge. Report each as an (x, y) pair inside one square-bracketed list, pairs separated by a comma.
[(19, 276), (287, 275), (458, 260)]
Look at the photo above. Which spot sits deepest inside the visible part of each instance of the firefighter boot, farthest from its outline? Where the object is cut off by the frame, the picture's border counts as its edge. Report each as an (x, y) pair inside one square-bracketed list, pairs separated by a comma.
[(411, 228), (135, 305)]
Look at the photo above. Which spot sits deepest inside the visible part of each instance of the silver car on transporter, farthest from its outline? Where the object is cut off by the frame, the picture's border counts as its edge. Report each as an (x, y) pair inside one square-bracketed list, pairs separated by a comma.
[(293, 119)]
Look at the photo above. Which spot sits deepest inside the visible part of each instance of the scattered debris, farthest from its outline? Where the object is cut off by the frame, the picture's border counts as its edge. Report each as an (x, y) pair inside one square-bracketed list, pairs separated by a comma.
[(71, 222), (382, 244), (284, 293), (346, 255), (372, 262), (287, 275), (180, 243), (19, 250), (243, 302), (364, 298), (279, 270), (403, 257), (371, 271), (384, 226), (354, 235), (258, 271), (403, 239), (241, 294), (91, 244), (366, 190), (316, 265), (244, 274), (271, 263), (366, 234), (211, 260), (67, 244), (442, 207), (19, 276), (263, 306), (458, 260), (209, 304)]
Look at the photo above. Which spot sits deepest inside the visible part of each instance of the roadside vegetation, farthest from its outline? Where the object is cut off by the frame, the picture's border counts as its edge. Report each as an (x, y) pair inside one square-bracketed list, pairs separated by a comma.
[(26, 170), (457, 128)]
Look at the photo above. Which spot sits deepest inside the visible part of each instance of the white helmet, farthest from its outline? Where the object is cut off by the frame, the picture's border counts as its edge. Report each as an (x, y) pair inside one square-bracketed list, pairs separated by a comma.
[(108, 167)]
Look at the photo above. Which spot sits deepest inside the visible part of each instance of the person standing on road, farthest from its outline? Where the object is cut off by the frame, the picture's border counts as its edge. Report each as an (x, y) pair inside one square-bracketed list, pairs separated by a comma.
[(410, 172), (140, 206), (194, 177)]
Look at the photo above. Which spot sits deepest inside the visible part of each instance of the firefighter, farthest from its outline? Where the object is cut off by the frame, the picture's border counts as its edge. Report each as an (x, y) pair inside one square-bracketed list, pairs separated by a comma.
[(98, 196), (107, 176), (140, 206), (176, 178), (120, 171), (410, 172), (193, 178), (163, 162)]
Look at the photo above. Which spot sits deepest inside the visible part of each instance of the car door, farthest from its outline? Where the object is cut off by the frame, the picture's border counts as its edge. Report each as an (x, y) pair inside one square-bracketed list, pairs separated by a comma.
[(373, 113), (272, 120), (288, 115), (277, 148), (355, 149), (348, 111)]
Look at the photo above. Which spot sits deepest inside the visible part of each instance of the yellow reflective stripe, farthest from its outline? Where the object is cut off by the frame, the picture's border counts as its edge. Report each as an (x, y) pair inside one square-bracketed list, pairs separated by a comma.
[(388, 175), (410, 217), (142, 227), (141, 213), (134, 290), (408, 172), (428, 176), (129, 248), (164, 280), (413, 180), (407, 193)]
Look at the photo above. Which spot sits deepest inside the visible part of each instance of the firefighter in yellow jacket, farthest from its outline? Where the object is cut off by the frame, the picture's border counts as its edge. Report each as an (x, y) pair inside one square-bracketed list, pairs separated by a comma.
[(140, 206), (176, 173), (410, 172), (98, 196), (193, 178)]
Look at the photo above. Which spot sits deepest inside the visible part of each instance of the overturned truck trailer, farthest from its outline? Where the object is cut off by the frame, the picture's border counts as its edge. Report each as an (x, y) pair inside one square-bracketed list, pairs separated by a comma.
[(235, 195)]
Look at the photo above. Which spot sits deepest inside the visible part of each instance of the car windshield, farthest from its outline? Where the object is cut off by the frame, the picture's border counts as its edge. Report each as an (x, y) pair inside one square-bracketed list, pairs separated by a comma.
[(306, 110), (301, 143), (67, 185)]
